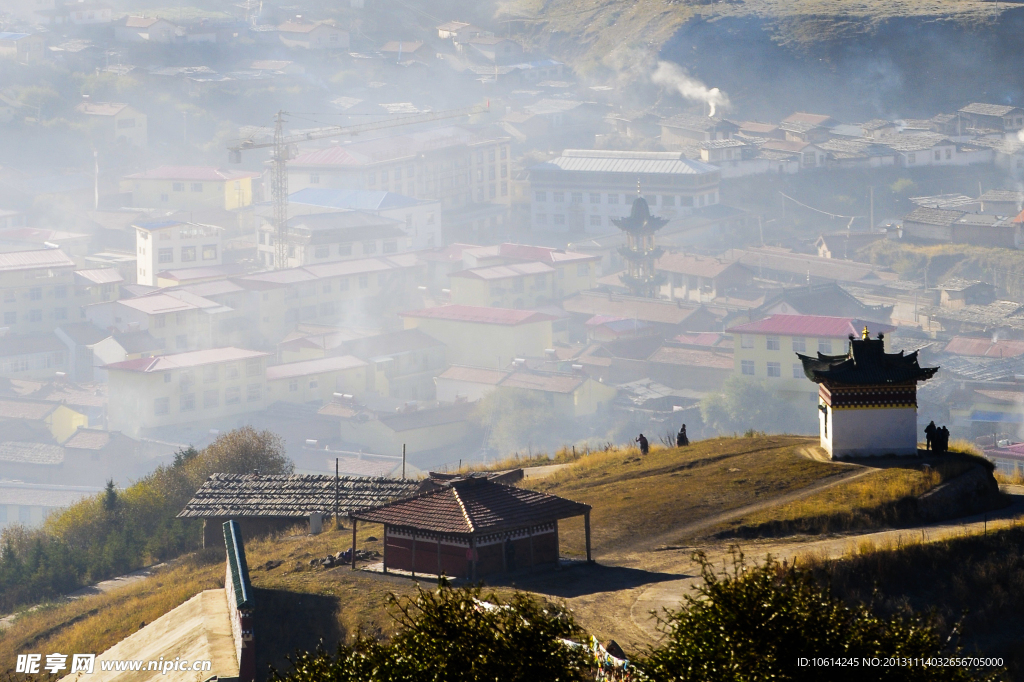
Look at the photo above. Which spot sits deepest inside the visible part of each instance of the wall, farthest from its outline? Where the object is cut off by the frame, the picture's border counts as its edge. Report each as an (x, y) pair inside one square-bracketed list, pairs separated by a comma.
[(869, 432), (535, 546)]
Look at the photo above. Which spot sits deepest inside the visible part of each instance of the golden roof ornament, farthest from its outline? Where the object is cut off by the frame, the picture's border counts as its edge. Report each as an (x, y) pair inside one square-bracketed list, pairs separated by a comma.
[(865, 334)]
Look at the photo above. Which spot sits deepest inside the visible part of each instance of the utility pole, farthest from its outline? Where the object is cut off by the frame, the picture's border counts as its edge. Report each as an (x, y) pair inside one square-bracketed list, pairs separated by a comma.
[(279, 189), (403, 461)]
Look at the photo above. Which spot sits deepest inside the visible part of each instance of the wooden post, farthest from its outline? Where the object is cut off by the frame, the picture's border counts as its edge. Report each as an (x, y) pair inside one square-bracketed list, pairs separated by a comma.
[(586, 531), (354, 522), (412, 565)]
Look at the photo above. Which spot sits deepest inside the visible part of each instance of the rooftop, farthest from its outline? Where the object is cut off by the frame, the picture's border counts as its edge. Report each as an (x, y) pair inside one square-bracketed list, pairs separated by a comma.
[(194, 358), (198, 173), (32, 260), (497, 272), (599, 161), (690, 264), (472, 506), (254, 495), (689, 357), (988, 109), (933, 216), (15, 452), (814, 326), (546, 382), (479, 315), (474, 375), (987, 347), (13, 408), (291, 370), (359, 200), (628, 307), (866, 363)]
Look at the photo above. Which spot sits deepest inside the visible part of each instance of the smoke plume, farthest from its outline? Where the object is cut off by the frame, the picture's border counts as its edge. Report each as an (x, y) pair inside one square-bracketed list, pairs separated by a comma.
[(670, 75)]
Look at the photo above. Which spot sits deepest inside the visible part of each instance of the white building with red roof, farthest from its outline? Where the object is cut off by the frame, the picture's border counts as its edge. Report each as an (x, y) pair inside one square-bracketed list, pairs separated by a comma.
[(203, 386)]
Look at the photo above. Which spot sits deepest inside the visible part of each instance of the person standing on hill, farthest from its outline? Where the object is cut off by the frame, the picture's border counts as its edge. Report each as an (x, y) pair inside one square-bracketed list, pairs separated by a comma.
[(681, 439), (644, 445), (929, 434), (942, 447)]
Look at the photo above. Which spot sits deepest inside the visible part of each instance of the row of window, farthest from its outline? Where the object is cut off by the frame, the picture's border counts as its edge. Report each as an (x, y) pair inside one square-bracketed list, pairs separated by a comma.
[(211, 398), (180, 186), (211, 373), (34, 315), (665, 200), (35, 294), (799, 344), (47, 361), (188, 254), (24, 514), (773, 369)]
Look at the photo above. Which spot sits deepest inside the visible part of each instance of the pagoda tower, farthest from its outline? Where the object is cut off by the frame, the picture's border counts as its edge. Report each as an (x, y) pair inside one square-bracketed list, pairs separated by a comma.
[(640, 252), (867, 399)]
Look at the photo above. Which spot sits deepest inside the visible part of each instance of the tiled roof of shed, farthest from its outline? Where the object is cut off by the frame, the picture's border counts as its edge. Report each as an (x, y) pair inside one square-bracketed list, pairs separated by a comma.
[(250, 495), (473, 506)]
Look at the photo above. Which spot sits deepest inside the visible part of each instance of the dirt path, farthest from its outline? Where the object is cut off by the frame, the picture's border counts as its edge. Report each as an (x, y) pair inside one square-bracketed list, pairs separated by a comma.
[(668, 594)]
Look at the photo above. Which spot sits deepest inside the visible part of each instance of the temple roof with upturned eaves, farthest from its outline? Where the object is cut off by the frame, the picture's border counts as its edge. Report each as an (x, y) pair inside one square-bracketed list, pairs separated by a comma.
[(866, 364)]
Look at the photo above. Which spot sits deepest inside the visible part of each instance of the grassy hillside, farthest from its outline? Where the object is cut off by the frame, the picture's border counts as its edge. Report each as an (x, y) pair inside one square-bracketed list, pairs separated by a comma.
[(638, 500)]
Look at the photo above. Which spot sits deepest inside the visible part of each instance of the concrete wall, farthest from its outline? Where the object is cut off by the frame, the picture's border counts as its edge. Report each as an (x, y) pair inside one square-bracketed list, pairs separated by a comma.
[(868, 432)]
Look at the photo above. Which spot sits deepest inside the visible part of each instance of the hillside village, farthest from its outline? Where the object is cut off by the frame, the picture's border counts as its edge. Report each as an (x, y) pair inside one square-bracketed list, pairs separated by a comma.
[(375, 300)]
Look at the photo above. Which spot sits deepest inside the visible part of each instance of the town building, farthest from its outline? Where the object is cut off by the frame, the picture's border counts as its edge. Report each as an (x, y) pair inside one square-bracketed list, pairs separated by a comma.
[(867, 398), (316, 381), (335, 236), (163, 245), (583, 190), (762, 350), (30, 504), (700, 278), (684, 129), (189, 188), (37, 290), (452, 165), (22, 47), (472, 527), (313, 35), (420, 219), (265, 503), (981, 117), (37, 355), (519, 285), (484, 337), (402, 364), (203, 386), (132, 29), (567, 395)]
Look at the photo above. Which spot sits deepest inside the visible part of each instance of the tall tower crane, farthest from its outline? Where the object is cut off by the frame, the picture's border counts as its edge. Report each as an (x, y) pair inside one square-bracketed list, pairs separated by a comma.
[(281, 151)]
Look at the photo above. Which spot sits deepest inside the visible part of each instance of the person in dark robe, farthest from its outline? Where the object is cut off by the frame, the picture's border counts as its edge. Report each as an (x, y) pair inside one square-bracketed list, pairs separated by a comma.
[(943, 441), (644, 445), (929, 435), (681, 438)]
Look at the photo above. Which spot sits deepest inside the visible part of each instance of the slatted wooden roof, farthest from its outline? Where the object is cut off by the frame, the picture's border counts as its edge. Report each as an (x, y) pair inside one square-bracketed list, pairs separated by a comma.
[(255, 495)]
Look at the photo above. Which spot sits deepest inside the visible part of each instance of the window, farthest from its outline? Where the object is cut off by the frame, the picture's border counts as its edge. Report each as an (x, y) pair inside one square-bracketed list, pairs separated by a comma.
[(187, 402), (253, 367), (161, 406), (774, 369), (159, 321), (211, 398), (232, 395), (595, 221), (772, 342), (165, 256), (35, 294), (746, 341), (126, 123), (938, 155), (314, 178), (60, 292), (613, 198), (364, 281), (747, 367), (383, 176), (583, 270), (344, 249), (799, 344), (559, 219), (178, 186), (167, 377), (542, 219), (504, 189), (322, 252), (949, 153), (60, 313), (10, 318), (35, 315), (231, 370), (293, 385), (209, 252), (825, 346), (313, 383), (188, 254), (558, 197), (577, 197), (798, 370), (668, 200), (211, 373), (369, 247), (181, 341), (253, 392), (390, 246), (10, 296), (371, 178), (686, 201), (197, 187), (595, 197), (343, 284), (911, 158), (164, 198)]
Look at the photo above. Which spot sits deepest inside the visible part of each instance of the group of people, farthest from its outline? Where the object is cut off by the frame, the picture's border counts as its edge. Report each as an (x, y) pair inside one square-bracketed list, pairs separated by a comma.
[(681, 440), (936, 438)]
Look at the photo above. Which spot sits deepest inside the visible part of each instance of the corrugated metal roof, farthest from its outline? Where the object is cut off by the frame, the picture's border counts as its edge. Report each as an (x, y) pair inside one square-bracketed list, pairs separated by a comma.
[(817, 326), (308, 367), (496, 272), (474, 375), (191, 173), (31, 260), (479, 315), (635, 162), (194, 358), (101, 275)]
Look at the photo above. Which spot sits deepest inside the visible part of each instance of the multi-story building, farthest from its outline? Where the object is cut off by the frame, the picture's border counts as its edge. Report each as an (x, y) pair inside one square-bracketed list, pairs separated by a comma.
[(452, 165), (36, 290), (316, 381), (520, 285), (573, 271), (420, 218), (23, 47), (163, 245), (116, 122), (583, 189), (203, 386), (178, 320), (189, 188), (766, 349), (334, 236)]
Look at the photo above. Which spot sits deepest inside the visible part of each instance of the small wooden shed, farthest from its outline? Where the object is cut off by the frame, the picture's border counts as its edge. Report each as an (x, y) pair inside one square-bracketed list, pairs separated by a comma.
[(472, 527)]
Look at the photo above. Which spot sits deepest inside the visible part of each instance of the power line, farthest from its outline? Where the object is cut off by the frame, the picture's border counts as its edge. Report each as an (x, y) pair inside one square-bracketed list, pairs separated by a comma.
[(818, 210)]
